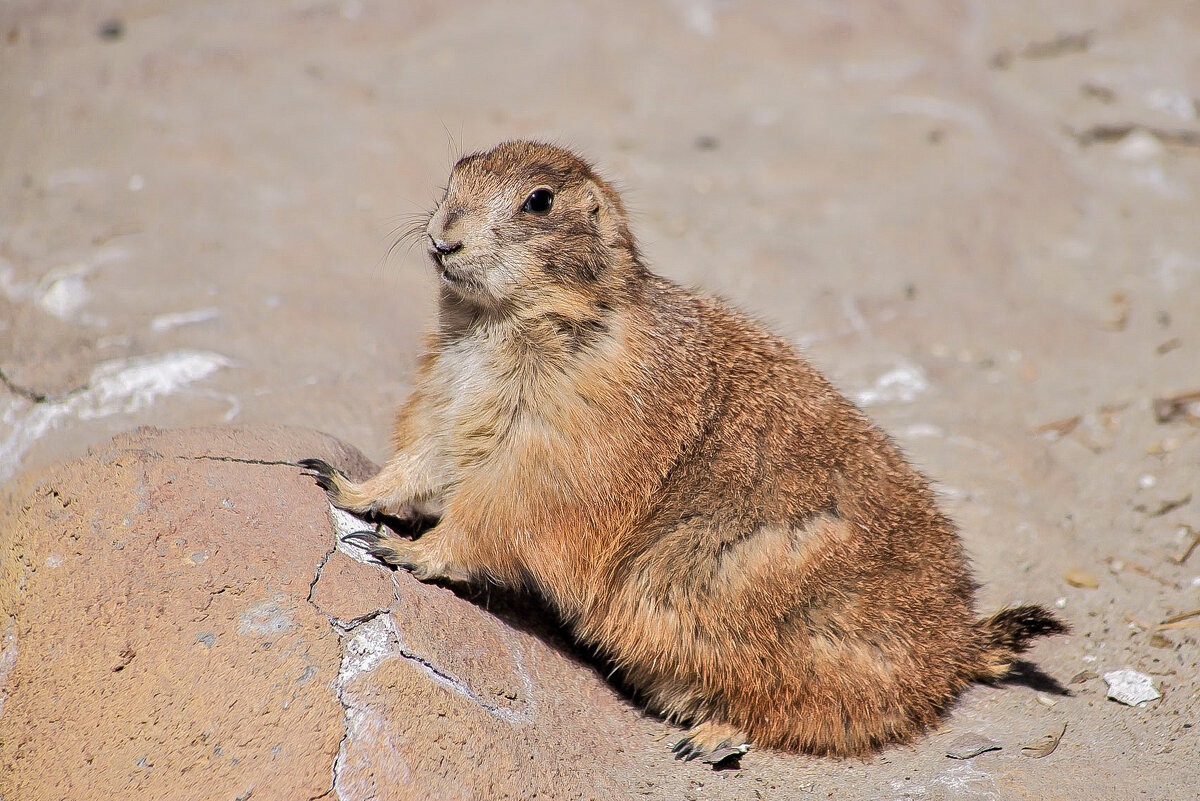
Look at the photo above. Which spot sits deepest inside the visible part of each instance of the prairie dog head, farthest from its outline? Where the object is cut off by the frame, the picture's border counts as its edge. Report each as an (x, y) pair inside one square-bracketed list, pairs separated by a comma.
[(523, 222)]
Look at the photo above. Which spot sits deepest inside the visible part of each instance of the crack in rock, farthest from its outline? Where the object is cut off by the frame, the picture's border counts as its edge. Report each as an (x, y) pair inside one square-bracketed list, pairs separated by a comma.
[(266, 462), (31, 394), (312, 585), (367, 641), (370, 645), (343, 628), (346, 524)]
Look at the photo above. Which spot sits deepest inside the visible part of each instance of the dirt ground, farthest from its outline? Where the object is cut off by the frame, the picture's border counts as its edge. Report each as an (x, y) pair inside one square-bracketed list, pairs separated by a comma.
[(980, 219)]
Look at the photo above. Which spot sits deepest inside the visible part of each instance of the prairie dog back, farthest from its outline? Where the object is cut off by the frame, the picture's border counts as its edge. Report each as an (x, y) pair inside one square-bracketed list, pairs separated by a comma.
[(694, 499)]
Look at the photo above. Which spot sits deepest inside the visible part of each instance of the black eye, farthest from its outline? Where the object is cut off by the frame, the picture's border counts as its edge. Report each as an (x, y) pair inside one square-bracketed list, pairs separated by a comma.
[(539, 201)]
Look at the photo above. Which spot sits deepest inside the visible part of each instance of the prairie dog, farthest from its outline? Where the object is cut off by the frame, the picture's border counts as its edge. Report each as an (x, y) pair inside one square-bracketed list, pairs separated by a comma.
[(693, 498)]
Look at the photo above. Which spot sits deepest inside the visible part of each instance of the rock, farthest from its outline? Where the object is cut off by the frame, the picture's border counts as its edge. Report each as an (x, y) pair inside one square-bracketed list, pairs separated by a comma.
[(971, 745), (179, 624), (164, 644), (1130, 687)]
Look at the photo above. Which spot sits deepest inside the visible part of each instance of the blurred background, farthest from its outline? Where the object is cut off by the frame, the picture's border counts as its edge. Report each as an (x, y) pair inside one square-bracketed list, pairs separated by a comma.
[(979, 218), (197, 200)]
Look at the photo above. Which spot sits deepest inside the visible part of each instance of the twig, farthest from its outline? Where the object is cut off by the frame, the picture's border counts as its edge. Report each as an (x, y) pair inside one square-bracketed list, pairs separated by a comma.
[(1181, 616), (1190, 547), (1182, 624)]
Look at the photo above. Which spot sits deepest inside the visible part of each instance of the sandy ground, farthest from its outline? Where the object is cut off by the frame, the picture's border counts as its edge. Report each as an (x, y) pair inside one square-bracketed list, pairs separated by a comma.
[(978, 218)]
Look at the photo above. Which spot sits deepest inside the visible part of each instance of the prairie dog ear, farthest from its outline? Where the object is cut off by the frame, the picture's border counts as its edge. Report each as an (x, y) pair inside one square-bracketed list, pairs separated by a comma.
[(604, 212)]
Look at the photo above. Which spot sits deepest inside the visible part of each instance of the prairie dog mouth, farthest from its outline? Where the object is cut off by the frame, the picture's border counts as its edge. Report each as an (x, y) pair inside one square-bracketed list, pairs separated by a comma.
[(458, 276), (447, 271), (450, 274)]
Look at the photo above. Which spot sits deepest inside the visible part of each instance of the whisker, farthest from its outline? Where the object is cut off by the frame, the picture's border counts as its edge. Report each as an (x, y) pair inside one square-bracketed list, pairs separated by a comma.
[(410, 236)]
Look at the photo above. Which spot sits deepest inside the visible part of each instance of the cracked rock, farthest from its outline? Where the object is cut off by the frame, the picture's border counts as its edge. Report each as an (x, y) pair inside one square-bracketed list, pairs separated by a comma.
[(277, 666), (142, 672)]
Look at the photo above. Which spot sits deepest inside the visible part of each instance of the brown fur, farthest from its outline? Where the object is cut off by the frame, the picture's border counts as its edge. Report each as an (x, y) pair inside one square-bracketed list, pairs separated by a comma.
[(693, 497)]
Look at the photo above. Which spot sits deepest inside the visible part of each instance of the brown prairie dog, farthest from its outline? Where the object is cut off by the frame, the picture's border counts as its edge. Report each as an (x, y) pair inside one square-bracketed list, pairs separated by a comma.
[(693, 498)]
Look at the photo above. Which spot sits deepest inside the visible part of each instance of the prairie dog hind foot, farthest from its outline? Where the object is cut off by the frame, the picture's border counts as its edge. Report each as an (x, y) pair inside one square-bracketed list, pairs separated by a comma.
[(713, 742)]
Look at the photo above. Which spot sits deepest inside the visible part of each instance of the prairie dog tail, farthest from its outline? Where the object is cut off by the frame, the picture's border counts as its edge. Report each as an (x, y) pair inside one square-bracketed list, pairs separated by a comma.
[(1009, 632)]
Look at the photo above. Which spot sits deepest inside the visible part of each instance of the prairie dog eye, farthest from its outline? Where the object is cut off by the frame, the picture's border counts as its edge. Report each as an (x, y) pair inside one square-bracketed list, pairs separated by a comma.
[(539, 201)]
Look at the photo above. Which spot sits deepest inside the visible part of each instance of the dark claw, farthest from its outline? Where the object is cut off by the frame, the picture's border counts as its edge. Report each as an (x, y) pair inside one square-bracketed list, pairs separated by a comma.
[(318, 466), (367, 538), (322, 472), (686, 749), (723, 754), (371, 542)]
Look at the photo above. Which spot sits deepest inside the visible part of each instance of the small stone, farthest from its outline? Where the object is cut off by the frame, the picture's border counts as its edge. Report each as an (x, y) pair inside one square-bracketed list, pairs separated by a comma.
[(726, 756), (1140, 145), (1082, 676), (111, 29), (971, 745), (1130, 687)]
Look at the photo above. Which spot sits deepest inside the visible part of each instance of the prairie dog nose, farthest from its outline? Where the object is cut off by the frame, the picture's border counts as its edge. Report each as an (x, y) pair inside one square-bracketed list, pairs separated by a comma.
[(443, 247)]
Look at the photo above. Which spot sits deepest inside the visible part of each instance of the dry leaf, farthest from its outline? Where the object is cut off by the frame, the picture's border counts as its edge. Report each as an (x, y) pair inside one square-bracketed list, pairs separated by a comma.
[(1120, 302), (1082, 676), (1081, 578), (1044, 745), (1171, 407), (1060, 45), (1166, 506), (1059, 428), (1168, 346)]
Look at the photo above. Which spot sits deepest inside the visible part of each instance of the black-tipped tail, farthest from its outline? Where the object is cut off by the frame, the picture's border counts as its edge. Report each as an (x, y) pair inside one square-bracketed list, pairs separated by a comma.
[(1010, 631)]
